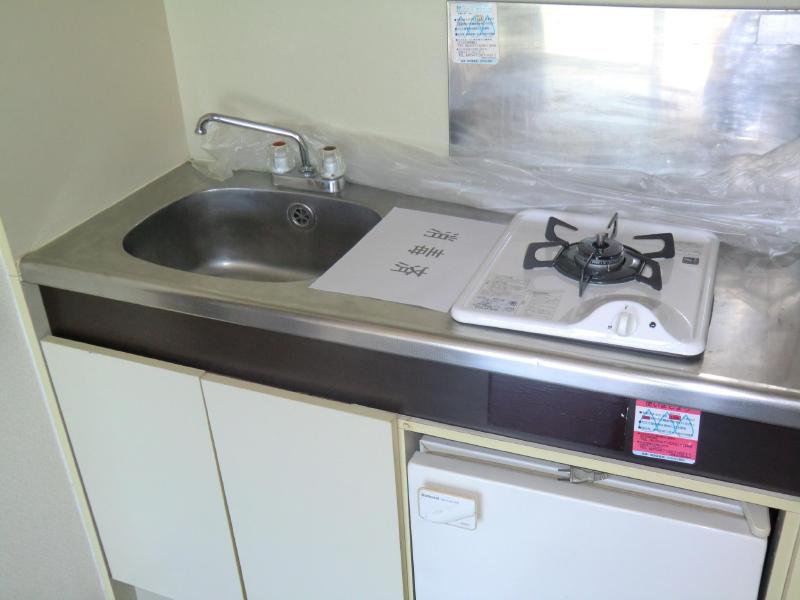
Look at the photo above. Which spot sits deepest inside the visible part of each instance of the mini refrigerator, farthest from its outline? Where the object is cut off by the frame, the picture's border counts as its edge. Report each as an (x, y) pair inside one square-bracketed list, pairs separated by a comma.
[(487, 525)]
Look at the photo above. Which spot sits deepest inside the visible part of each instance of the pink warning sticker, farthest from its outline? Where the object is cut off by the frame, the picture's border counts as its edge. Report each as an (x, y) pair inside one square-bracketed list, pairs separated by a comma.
[(666, 432)]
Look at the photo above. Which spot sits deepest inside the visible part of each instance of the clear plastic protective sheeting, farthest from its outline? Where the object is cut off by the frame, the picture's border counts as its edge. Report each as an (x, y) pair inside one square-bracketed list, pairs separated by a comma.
[(751, 200)]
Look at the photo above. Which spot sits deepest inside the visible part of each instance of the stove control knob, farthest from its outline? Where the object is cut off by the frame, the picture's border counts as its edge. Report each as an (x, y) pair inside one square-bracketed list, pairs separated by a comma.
[(625, 323)]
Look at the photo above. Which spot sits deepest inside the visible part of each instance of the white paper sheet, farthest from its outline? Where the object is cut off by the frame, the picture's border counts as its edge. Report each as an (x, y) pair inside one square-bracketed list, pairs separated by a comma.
[(413, 257), (473, 33)]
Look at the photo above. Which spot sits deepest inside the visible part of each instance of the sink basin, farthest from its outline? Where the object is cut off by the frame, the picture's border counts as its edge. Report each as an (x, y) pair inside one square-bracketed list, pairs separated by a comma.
[(251, 234)]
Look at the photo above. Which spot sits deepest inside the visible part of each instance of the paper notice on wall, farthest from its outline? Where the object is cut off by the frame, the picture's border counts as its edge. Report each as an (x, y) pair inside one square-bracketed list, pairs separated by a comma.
[(473, 33), (413, 257), (666, 432)]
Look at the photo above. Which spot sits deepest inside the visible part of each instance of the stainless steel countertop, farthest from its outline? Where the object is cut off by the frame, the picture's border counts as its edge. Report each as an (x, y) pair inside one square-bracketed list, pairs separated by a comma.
[(749, 370)]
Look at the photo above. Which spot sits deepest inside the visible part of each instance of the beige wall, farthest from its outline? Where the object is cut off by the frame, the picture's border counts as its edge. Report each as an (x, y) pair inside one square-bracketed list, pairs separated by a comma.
[(45, 550), (90, 110), (90, 113), (376, 66)]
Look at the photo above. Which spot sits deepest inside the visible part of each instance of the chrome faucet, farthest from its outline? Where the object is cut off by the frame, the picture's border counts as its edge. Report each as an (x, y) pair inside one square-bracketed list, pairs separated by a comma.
[(305, 177)]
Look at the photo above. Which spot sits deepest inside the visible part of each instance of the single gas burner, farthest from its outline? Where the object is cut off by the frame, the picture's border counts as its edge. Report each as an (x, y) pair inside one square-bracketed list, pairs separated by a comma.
[(600, 259), (652, 290)]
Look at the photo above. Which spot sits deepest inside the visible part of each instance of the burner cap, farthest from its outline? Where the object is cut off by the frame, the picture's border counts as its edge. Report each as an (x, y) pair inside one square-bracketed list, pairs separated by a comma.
[(613, 268), (600, 254)]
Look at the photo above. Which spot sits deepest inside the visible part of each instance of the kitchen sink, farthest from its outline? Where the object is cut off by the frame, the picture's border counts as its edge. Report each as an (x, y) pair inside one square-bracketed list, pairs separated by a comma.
[(243, 229), (248, 234)]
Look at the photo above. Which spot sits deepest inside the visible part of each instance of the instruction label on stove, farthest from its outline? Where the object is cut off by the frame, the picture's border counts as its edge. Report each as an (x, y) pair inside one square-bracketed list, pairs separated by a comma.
[(666, 432), (500, 294), (541, 305), (505, 294)]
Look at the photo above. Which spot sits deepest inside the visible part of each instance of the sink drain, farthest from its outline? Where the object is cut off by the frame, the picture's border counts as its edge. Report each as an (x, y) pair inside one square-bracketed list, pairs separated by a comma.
[(301, 216)]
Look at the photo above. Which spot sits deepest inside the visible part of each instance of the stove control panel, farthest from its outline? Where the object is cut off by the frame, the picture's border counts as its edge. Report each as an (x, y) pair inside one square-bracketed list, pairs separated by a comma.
[(629, 323)]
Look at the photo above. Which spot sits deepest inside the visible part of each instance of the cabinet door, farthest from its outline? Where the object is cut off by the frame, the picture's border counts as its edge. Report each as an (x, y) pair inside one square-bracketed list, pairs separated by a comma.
[(312, 493), (140, 435)]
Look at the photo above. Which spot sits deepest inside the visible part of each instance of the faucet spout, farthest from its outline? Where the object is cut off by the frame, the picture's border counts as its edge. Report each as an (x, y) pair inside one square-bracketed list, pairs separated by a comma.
[(307, 168)]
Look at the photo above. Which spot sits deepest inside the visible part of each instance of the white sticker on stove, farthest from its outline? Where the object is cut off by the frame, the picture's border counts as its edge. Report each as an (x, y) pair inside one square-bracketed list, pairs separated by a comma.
[(689, 252), (500, 294), (473, 33), (541, 305)]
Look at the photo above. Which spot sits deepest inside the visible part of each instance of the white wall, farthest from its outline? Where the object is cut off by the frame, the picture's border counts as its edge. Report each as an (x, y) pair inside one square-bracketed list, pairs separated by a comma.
[(90, 110), (45, 551)]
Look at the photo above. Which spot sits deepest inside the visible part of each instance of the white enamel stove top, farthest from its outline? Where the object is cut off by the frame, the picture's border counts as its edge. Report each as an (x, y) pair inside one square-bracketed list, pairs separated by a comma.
[(634, 314)]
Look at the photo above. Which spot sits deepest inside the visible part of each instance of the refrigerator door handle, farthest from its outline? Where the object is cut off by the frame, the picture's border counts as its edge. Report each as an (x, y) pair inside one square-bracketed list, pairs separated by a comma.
[(443, 507)]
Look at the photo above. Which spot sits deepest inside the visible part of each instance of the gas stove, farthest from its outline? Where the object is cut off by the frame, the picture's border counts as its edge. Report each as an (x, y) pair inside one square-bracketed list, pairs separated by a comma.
[(626, 283)]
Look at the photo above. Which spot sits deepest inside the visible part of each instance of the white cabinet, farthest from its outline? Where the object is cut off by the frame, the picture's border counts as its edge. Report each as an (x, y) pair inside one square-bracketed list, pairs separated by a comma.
[(140, 435), (310, 485), (312, 493)]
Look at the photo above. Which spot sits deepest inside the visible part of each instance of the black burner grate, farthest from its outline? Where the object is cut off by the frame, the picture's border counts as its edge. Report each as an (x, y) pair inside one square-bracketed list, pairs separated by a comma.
[(600, 259)]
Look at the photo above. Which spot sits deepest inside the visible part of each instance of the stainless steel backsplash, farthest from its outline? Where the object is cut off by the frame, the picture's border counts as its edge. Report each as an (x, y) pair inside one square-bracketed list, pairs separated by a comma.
[(658, 90)]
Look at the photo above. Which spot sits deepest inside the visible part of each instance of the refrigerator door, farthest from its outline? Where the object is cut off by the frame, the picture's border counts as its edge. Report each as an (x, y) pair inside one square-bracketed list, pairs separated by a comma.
[(538, 538)]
